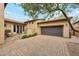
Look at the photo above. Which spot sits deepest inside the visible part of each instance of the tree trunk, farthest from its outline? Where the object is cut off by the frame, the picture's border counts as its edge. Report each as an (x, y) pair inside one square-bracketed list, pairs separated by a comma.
[(68, 21), (5, 4)]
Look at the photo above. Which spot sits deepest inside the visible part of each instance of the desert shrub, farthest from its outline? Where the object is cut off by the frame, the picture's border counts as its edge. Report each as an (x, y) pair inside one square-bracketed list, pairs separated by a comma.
[(24, 36), (30, 35), (34, 34), (27, 36), (7, 31)]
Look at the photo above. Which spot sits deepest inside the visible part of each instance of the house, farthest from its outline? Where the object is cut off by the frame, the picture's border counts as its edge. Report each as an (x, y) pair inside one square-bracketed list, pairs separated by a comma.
[(1, 24), (54, 27), (14, 26)]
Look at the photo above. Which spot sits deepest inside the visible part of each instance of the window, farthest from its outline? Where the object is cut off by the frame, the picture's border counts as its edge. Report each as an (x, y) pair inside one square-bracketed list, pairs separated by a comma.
[(14, 28), (5, 25), (18, 30)]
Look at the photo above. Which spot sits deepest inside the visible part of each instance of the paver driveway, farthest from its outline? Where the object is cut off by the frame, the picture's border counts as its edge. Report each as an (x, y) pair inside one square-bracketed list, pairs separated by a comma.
[(40, 45)]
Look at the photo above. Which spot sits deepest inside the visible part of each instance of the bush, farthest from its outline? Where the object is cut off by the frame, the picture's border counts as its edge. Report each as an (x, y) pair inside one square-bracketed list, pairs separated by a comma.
[(27, 36), (7, 31), (24, 36), (34, 34)]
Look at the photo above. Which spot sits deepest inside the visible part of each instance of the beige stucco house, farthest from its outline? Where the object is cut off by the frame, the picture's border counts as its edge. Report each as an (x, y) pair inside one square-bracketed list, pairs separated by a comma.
[(54, 27)]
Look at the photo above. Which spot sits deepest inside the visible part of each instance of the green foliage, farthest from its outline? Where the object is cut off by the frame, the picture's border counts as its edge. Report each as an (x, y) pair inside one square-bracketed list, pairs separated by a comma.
[(7, 31), (34, 34), (34, 9), (31, 9), (24, 36), (27, 36)]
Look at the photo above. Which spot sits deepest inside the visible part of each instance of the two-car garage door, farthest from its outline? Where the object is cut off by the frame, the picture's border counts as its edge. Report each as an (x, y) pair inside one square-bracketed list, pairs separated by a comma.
[(52, 30)]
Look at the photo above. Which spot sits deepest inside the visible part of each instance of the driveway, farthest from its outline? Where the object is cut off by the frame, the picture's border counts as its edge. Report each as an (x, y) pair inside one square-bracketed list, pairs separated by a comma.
[(73, 46), (40, 45)]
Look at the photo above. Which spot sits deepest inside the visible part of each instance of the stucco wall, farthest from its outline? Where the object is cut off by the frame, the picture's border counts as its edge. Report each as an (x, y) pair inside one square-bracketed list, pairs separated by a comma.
[(29, 28), (32, 27), (1, 24)]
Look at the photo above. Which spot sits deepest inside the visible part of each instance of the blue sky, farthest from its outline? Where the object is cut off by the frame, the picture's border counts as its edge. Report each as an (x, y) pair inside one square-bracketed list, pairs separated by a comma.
[(15, 12)]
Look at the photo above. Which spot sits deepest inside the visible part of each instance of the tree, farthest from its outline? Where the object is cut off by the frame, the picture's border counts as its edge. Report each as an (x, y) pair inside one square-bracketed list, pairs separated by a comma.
[(5, 5), (34, 9)]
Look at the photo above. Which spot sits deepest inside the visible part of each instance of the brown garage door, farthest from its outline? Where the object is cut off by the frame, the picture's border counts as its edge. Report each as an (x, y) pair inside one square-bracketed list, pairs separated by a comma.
[(53, 30)]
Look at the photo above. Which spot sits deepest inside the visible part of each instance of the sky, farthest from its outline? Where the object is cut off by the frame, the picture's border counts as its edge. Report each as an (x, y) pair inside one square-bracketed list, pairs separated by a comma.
[(15, 12)]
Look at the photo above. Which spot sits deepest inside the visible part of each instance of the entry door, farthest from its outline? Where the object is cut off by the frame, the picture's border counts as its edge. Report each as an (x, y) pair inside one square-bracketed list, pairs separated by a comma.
[(53, 30)]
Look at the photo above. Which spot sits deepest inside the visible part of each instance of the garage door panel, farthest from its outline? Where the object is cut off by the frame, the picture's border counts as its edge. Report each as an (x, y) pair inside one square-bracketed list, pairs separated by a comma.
[(54, 31)]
